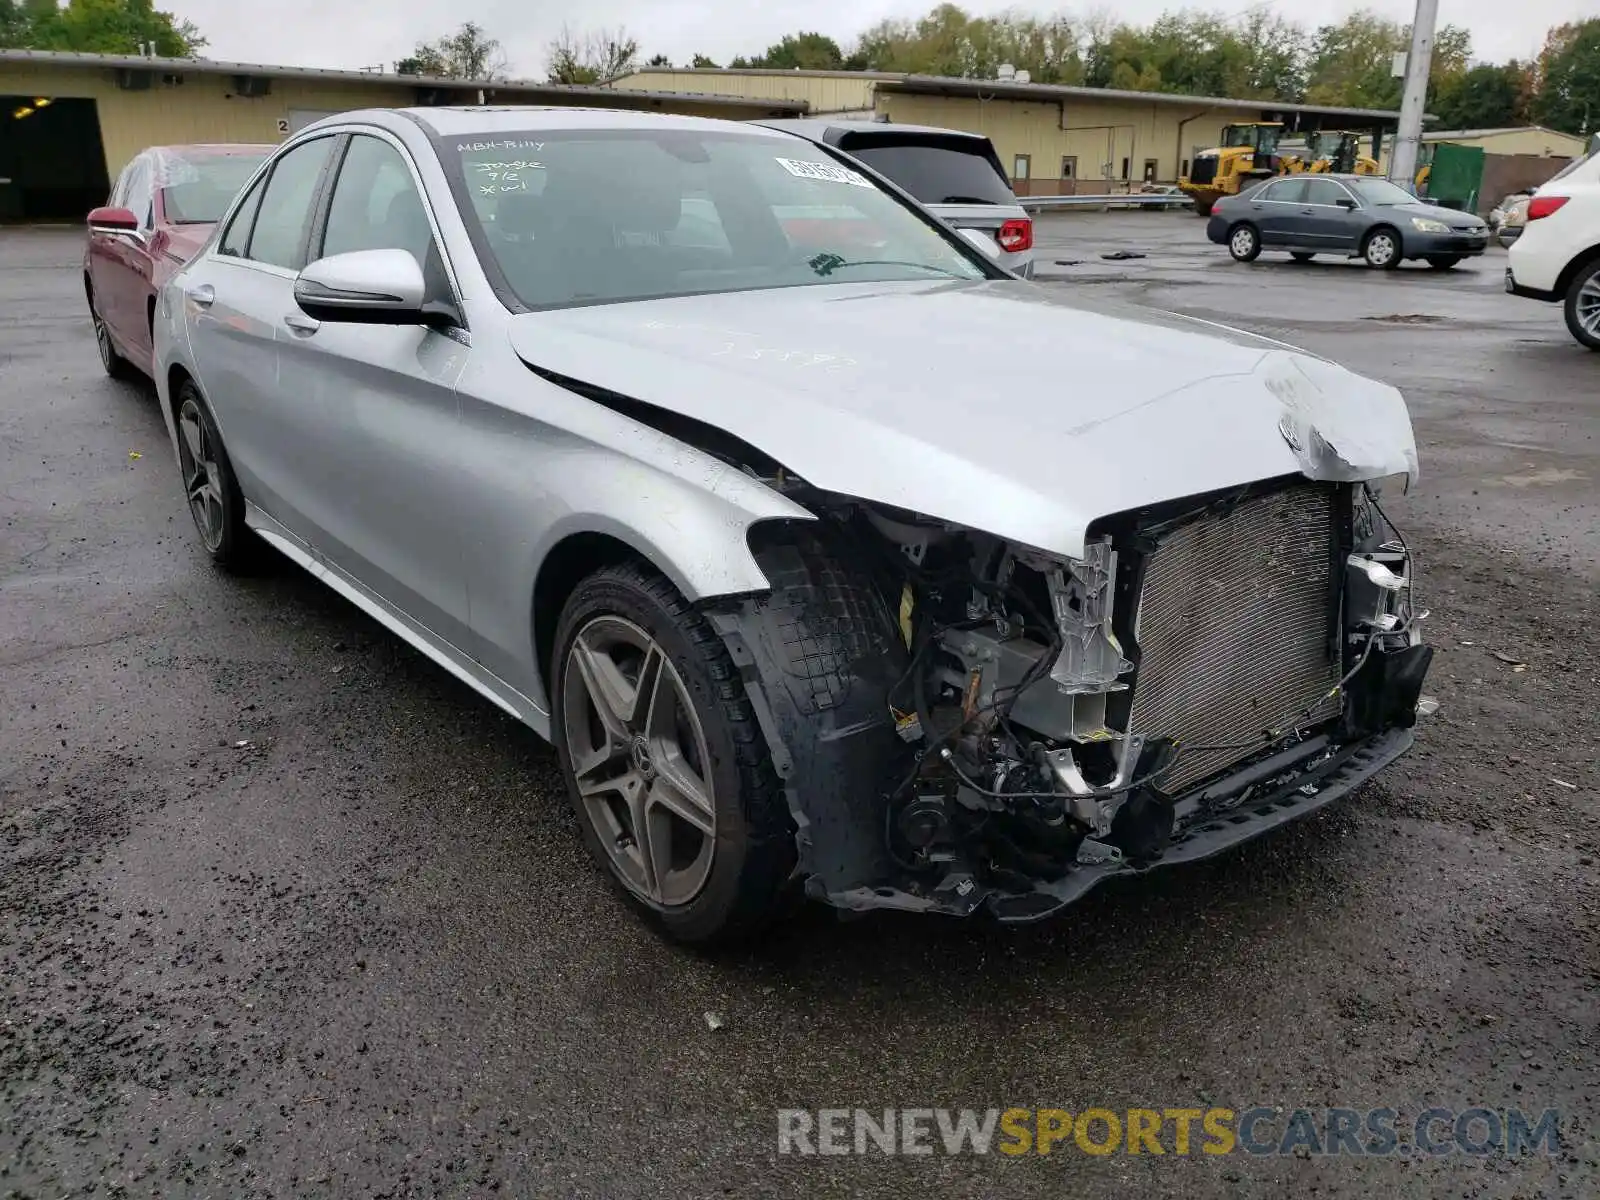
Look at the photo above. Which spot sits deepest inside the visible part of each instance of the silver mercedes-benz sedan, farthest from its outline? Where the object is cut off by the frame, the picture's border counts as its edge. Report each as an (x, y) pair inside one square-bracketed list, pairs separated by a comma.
[(687, 443)]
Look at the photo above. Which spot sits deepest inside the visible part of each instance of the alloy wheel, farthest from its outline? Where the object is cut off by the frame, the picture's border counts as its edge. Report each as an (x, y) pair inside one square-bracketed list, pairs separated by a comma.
[(639, 760), (102, 338), (1587, 308), (202, 482)]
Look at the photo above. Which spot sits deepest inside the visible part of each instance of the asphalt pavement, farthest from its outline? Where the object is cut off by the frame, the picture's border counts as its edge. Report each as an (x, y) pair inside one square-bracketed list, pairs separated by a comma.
[(287, 911)]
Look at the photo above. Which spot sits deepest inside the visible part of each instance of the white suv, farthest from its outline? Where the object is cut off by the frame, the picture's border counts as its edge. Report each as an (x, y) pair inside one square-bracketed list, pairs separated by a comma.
[(1557, 256)]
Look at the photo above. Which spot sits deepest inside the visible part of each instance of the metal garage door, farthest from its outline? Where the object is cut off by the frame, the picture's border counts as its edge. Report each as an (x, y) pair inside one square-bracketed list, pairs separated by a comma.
[(299, 118)]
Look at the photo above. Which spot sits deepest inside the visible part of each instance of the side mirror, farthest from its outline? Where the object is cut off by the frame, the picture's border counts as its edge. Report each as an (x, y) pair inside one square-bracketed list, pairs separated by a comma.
[(982, 241), (1346, 202), (364, 287), (113, 220)]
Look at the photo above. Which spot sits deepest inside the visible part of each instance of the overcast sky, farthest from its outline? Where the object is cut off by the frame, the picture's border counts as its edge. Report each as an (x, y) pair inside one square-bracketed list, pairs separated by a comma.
[(355, 33)]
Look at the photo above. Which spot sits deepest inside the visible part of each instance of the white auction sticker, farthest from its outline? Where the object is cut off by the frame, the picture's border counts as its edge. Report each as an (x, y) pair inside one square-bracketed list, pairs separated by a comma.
[(826, 171)]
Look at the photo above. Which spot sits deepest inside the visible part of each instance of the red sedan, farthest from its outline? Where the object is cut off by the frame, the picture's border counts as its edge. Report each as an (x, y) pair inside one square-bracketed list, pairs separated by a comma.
[(161, 212)]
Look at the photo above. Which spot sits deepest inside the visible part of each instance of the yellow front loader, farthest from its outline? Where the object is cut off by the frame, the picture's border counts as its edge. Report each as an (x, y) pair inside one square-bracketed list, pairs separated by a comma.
[(1339, 152), (1248, 154)]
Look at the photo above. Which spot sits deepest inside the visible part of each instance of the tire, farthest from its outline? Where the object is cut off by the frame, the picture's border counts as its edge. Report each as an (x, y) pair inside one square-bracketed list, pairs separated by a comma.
[(727, 871), (1203, 207), (1301, 256), (1244, 242), (209, 486), (1443, 262), (114, 364), (1582, 306), (1382, 249)]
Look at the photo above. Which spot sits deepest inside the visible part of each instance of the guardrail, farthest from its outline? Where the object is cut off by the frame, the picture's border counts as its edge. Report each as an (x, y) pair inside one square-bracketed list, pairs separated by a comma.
[(1116, 200)]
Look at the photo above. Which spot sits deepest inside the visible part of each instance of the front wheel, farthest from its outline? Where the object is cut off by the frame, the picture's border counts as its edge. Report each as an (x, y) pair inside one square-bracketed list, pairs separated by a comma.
[(1583, 306), (115, 365), (1382, 249), (1244, 243), (664, 762), (1443, 262)]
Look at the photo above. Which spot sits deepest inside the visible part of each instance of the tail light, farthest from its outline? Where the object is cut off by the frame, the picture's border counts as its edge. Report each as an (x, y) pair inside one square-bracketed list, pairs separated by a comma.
[(1543, 206), (1015, 236)]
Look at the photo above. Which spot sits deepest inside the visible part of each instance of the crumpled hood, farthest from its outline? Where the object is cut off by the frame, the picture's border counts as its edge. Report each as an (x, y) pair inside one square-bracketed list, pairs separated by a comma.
[(1021, 411)]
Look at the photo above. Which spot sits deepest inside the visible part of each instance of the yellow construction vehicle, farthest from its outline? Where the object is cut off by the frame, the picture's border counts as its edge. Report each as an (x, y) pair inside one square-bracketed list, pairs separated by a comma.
[(1338, 151), (1248, 154), (1424, 166)]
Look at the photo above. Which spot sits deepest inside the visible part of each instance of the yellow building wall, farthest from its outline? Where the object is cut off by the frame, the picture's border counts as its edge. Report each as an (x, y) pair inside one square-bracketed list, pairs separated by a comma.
[(1543, 142), (200, 109), (824, 93), (1099, 134)]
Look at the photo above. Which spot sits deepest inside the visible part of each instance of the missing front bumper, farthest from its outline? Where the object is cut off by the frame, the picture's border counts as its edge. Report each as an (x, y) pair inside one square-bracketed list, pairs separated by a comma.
[(1264, 796)]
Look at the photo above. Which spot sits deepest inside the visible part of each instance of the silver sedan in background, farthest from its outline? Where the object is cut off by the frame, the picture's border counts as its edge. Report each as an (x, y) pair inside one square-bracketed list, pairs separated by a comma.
[(686, 443)]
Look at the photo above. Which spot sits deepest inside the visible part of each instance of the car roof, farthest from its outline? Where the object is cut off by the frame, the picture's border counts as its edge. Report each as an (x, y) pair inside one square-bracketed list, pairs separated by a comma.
[(487, 119), (208, 148), (818, 128)]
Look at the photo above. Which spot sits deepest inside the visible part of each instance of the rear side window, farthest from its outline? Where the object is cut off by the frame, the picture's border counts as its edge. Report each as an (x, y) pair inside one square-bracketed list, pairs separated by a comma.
[(935, 170), (236, 239), (1285, 191), (280, 224)]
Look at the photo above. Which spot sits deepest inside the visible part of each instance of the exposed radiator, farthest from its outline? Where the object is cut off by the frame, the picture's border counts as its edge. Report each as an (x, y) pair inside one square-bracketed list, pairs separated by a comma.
[(1233, 627)]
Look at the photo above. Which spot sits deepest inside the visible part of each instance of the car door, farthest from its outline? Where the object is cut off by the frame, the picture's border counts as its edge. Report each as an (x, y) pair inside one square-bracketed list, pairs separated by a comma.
[(122, 267), (375, 405), (235, 299), (1320, 222), (1272, 206)]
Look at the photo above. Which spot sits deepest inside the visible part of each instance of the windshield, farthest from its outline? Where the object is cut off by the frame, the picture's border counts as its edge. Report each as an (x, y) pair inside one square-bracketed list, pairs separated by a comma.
[(951, 171), (200, 189), (591, 216), (1380, 191)]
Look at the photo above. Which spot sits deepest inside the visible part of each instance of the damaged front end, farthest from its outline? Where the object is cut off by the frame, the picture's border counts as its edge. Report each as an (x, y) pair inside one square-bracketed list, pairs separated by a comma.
[(965, 724)]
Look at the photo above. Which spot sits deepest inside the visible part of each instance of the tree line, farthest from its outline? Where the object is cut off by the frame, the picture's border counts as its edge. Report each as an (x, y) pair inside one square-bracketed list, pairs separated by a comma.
[(1257, 54), (1254, 55), (96, 27)]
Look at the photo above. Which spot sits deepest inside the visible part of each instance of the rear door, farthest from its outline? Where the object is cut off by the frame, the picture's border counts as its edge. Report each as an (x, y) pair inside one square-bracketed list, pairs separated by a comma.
[(1273, 207), (236, 298)]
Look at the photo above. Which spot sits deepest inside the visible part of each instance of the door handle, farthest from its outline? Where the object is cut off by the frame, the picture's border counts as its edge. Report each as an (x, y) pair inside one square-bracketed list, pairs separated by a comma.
[(300, 324), (1306, 212), (205, 295)]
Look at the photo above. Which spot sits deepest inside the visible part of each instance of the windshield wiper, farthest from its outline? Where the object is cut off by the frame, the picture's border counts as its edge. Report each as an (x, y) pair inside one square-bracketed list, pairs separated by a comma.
[(827, 264)]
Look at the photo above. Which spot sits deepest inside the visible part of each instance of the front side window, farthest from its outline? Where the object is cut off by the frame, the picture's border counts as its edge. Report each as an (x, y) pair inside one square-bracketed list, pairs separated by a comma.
[(197, 189), (1324, 191), (375, 204), (280, 223), (592, 216), (140, 194)]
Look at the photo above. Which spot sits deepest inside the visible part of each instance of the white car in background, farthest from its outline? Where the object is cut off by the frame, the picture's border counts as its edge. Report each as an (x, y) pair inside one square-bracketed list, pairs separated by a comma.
[(1557, 256), (956, 175)]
